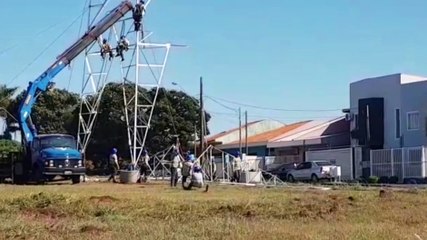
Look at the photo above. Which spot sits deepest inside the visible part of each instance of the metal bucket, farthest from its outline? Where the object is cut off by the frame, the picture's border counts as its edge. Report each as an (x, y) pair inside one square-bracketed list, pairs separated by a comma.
[(131, 176)]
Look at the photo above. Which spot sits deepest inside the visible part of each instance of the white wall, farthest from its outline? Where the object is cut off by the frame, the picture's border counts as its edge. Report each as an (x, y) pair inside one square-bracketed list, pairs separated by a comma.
[(414, 98), (387, 87), (340, 157), (400, 91)]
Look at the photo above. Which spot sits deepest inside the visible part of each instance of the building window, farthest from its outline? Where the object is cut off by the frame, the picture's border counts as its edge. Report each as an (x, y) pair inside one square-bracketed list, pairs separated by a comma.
[(413, 121), (397, 122)]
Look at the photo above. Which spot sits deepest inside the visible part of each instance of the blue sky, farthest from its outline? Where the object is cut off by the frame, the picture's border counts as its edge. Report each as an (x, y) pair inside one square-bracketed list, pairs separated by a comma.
[(298, 54)]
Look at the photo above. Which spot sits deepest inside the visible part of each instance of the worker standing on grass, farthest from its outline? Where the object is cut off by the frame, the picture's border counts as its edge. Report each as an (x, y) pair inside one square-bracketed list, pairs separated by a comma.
[(114, 165), (144, 166), (237, 167), (174, 167), (213, 168)]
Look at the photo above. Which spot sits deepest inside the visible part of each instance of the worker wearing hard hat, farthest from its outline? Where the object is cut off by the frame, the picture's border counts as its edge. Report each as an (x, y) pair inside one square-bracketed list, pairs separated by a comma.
[(237, 167), (197, 176), (114, 165), (175, 163), (186, 168)]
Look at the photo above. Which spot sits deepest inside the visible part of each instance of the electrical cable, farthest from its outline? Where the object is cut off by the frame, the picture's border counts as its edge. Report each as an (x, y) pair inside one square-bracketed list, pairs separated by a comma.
[(276, 109), (44, 50), (80, 30), (32, 39), (219, 103)]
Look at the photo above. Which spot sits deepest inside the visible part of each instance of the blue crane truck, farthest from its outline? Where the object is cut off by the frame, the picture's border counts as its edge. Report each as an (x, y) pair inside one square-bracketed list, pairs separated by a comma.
[(48, 155)]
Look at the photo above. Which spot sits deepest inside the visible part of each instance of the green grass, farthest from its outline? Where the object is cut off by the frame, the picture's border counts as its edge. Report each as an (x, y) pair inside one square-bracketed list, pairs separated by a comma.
[(155, 211)]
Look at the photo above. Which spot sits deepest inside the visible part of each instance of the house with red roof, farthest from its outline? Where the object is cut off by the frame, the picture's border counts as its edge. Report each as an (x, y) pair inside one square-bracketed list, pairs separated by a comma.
[(290, 142)]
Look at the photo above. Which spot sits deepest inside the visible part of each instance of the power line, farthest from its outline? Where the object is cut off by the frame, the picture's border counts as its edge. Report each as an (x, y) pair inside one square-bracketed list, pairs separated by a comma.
[(44, 50), (222, 105), (7, 49), (80, 30), (275, 109), (269, 116)]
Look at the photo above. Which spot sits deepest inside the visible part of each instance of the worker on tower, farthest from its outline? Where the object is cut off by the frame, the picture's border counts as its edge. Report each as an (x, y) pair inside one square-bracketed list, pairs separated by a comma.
[(138, 12), (106, 49), (114, 165), (123, 45)]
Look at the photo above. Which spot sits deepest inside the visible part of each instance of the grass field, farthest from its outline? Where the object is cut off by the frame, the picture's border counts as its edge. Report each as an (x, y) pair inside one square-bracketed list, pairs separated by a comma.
[(155, 211)]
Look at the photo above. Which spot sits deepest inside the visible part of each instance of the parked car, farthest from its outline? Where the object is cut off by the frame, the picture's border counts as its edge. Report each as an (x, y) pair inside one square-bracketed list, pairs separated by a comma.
[(281, 172), (314, 171)]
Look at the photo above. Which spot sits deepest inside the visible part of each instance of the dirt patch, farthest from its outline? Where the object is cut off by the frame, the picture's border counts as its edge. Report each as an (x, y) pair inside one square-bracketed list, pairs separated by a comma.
[(92, 229), (385, 194), (48, 216), (103, 199)]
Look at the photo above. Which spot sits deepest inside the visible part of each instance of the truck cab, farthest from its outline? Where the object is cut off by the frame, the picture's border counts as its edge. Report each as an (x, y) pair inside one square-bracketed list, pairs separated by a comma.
[(57, 155)]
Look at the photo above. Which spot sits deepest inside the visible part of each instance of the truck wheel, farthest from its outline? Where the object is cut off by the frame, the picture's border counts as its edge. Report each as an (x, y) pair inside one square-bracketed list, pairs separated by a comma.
[(291, 178), (38, 175), (75, 179)]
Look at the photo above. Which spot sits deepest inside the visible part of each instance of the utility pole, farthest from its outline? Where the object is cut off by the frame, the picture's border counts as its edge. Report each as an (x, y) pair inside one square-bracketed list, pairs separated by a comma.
[(202, 114), (240, 130), (246, 132), (195, 139)]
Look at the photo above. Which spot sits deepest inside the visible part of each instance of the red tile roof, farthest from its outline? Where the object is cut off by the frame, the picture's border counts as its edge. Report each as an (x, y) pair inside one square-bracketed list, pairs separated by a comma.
[(266, 136)]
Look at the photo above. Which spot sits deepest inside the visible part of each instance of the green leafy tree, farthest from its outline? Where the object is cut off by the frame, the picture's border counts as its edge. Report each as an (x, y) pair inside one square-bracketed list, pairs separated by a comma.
[(53, 112), (6, 95), (175, 113)]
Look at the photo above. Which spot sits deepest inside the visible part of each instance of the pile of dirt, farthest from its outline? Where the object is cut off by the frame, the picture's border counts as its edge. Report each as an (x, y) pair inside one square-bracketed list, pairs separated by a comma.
[(103, 199)]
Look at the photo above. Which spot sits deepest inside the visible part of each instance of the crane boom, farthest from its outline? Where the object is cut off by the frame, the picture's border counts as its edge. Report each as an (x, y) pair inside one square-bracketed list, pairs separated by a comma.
[(43, 82)]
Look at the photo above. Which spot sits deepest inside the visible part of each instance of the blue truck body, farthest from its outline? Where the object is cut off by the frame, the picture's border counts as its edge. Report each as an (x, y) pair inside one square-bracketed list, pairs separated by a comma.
[(50, 155)]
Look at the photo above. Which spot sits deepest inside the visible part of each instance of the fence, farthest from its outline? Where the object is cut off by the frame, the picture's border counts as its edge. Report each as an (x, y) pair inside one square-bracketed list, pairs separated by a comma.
[(342, 157), (400, 162)]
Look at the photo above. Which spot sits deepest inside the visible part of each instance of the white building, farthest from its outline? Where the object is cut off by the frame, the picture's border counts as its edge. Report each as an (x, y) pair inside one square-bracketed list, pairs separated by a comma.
[(389, 111)]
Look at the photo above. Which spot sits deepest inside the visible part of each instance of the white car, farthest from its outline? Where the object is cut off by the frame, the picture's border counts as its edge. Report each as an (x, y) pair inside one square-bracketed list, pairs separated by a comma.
[(314, 171)]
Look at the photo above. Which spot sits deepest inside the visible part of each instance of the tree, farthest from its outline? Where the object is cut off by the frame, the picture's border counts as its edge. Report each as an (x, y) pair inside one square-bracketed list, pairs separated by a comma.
[(175, 113), (53, 112), (6, 95)]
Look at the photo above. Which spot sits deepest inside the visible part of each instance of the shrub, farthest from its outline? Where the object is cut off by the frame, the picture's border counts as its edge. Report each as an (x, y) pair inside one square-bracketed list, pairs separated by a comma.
[(7, 146), (384, 179), (394, 180), (373, 179)]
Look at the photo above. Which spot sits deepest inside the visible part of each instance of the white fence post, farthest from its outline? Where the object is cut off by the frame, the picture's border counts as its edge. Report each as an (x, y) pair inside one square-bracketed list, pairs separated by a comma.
[(403, 163), (392, 161), (352, 177), (370, 162), (423, 169)]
